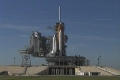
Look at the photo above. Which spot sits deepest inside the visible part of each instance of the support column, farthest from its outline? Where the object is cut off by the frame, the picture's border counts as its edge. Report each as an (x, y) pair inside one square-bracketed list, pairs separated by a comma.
[(52, 71), (55, 71), (66, 70), (58, 71), (72, 71), (69, 71), (61, 71)]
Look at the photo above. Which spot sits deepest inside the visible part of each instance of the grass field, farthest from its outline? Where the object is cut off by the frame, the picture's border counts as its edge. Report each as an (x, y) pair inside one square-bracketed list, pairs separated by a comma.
[(59, 78)]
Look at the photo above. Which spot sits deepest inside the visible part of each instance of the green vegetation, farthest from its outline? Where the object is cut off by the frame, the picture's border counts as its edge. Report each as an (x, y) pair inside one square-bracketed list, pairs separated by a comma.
[(59, 78)]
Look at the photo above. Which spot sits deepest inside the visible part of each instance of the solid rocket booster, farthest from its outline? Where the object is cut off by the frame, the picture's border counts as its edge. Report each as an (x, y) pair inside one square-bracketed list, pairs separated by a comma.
[(53, 46), (60, 43)]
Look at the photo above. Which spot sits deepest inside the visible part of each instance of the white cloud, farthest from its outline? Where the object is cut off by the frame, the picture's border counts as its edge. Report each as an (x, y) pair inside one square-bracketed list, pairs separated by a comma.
[(25, 28), (24, 35), (104, 19), (74, 46), (94, 23), (95, 38), (78, 45), (80, 22), (90, 37), (22, 28), (98, 24)]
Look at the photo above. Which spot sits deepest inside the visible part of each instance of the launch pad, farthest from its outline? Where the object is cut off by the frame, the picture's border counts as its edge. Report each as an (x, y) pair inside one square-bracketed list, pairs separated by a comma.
[(66, 60), (52, 48)]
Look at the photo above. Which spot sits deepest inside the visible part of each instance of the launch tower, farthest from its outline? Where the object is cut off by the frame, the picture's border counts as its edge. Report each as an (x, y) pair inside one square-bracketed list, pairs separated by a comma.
[(53, 48)]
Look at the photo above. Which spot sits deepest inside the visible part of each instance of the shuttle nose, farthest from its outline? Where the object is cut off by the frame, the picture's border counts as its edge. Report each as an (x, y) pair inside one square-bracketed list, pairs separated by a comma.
[(60, 27)]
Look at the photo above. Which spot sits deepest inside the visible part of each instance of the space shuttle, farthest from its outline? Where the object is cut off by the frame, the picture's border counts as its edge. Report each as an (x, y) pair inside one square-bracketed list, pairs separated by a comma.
[(60, 35), (58, 39)]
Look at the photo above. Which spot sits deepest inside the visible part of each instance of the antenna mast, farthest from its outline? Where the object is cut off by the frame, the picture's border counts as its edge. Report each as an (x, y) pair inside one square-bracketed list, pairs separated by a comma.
[(59, 14)]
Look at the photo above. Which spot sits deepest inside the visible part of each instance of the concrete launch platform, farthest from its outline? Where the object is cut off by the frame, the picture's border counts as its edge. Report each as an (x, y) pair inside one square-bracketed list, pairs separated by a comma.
[(59, 70)]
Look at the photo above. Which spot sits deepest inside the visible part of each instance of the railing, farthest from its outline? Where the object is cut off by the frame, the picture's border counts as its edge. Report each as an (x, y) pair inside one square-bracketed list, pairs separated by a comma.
[(107, 71)]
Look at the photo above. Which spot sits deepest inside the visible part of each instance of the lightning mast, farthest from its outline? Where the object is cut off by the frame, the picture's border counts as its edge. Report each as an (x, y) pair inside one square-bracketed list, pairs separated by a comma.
[(59, 14)]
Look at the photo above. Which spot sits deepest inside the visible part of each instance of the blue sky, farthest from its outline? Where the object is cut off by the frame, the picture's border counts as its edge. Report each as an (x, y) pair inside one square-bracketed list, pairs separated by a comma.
[(92, 26)]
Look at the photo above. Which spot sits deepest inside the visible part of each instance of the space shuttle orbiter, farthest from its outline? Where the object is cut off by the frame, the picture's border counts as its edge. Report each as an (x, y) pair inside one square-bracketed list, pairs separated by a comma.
[(58, 41)]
